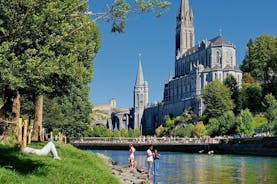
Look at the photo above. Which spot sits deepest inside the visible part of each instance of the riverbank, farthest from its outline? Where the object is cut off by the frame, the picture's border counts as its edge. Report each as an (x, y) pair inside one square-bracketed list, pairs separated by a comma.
[(76, 166), (126, 174)]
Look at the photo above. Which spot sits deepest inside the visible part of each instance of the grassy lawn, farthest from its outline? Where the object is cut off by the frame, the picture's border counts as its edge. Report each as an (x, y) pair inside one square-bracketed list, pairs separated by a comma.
[(75, 167)]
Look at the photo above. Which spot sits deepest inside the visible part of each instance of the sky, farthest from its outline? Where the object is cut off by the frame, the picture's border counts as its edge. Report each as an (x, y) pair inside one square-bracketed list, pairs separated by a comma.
[(116, 63)]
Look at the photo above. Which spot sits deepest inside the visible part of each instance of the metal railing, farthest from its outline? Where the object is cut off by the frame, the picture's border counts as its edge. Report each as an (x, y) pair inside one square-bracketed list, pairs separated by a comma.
[(149, 140)]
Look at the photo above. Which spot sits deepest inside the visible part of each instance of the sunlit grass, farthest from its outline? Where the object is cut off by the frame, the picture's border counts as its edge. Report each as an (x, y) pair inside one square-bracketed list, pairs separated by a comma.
[(76, 166)]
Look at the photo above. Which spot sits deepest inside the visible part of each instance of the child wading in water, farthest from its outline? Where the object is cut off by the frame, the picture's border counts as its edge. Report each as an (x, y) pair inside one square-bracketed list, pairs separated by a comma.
[(156, 163)]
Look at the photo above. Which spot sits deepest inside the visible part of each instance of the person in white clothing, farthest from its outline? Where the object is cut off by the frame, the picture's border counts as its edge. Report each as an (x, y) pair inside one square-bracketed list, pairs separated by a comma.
[(131, 159), (49, 147), (149, 159)]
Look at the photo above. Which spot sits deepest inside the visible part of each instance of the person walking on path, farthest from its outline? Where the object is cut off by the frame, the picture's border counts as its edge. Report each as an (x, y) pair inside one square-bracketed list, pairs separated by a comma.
[(149, 159), (156, 163), (131, 159)]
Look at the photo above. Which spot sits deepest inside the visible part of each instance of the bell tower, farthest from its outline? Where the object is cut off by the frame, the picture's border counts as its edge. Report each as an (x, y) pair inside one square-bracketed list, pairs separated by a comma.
[(140, 97)]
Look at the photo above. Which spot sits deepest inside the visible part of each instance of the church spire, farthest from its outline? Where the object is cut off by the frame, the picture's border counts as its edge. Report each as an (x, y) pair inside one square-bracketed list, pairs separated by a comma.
[(139, 80), (184, 29)]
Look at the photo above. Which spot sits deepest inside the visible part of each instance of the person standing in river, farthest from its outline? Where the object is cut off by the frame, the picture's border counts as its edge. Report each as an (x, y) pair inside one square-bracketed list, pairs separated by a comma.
[(149, 159), (132, 156), (156, 157)]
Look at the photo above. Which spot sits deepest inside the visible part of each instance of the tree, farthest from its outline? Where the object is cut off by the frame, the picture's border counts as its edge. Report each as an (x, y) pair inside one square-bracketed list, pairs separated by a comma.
[(247, 78), (271, 111), (189, 130), (252, 96), (217, 99), (124, 132), (47, 47), (260, 123), (232, 84), (227, 123), (199, 129), (245, 123), (213, 127), (51, 51), (261, 61), (116, 133), (69, 113), (117, 12)]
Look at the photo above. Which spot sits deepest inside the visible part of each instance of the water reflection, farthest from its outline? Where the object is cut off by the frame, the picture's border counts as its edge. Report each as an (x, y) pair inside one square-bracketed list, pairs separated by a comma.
[(179, 168)]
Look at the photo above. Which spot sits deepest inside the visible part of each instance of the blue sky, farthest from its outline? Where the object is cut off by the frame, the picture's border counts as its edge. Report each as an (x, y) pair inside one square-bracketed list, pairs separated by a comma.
[(115, 65)]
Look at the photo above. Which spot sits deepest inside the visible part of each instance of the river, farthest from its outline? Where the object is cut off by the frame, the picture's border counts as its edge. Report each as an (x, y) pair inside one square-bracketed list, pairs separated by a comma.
[(181, 168)]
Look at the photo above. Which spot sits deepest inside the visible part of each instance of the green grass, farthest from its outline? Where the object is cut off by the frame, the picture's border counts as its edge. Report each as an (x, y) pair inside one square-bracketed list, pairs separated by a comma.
[(75, 167)]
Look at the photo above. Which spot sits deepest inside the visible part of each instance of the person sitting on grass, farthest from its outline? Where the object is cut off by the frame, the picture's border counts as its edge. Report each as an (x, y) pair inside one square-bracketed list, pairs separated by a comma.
[(49, 147)]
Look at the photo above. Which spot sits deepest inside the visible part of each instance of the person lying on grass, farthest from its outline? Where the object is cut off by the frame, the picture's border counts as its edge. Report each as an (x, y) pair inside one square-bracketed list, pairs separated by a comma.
[(49, 147)]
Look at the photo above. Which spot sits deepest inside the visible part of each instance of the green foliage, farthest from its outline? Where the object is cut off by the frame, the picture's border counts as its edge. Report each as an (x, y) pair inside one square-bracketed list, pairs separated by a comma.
[(232, 84), (131, 132), (137, 132), (251, 97), (245, 123), (199, 129), (160, 131), (261, 61), (227, 123), (217, 99), (260, 123), (271, 112), (98, 131), (174, 125), (213, 127), (124, 132), (70, 113), (84, 167), (169, 122), (247, 78), (117, 12), (43, 49), (189, 130), (116, 133)]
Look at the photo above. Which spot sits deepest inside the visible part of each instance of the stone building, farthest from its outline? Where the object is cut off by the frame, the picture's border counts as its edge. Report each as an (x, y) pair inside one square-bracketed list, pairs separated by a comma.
[(195, 66)]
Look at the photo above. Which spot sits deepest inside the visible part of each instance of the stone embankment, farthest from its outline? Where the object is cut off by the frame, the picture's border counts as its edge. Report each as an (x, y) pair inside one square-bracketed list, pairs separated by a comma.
[(126, 174)]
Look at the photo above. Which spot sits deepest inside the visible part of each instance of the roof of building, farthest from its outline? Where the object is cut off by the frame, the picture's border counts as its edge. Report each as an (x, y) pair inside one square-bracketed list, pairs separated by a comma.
[(219, 40), (237, 69), (228, 67)]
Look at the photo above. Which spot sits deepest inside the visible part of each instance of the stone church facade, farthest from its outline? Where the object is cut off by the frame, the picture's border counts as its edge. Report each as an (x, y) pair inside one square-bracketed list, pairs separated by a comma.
[(195, 66)]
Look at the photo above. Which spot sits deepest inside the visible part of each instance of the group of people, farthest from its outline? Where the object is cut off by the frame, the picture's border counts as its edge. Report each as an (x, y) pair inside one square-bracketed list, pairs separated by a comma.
[(152, 159)]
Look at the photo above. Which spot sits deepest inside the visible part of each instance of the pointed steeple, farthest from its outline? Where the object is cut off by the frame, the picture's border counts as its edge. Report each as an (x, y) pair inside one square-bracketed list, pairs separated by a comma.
[(184, 7), (184, 29), (139, 80)]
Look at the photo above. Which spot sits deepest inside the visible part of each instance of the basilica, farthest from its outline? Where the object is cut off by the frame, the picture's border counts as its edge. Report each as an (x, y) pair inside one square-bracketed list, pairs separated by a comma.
[(195, 66)]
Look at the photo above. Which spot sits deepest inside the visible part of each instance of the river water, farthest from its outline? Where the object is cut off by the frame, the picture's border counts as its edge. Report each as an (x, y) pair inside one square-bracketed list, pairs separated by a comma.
[(181, 168)]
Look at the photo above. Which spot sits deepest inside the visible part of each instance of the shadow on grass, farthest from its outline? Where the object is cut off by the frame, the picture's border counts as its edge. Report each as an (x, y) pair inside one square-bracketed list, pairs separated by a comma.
[(9, 159)]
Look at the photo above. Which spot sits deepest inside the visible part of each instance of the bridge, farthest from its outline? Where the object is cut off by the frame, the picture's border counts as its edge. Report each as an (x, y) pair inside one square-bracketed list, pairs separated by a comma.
[(259, 146), (192, 145)]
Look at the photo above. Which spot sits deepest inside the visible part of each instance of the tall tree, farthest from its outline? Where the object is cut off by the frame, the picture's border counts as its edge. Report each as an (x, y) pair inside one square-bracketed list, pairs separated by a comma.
[(251, 97), (271, 112), (217, 99), (231, 82), (245, 123), (261, 61)]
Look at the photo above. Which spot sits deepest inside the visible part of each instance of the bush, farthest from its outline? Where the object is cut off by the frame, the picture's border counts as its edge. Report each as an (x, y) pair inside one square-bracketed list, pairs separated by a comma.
[(199, 129)]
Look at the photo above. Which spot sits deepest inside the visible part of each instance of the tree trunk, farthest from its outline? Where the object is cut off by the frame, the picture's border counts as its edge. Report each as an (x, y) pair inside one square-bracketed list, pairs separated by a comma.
[(38, 118), (16, 108)]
